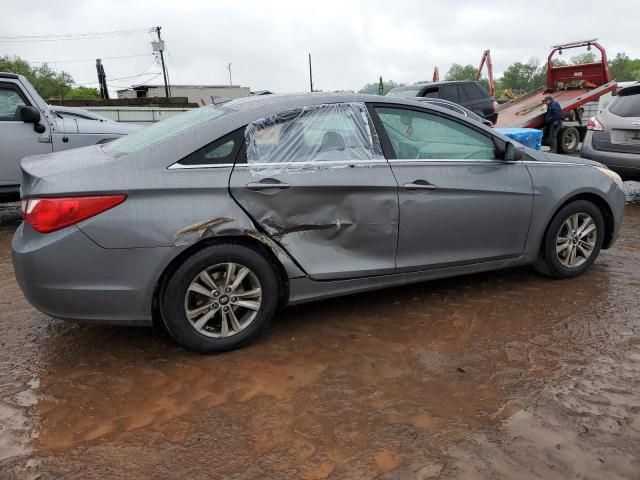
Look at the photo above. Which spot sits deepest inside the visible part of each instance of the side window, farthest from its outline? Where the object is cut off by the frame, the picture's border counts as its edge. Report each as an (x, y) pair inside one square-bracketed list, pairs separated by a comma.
[(418, 135), (468, 93), (318, 133), (481, 93), (220, 152), (433, 92), (10, 102), (450, 92)]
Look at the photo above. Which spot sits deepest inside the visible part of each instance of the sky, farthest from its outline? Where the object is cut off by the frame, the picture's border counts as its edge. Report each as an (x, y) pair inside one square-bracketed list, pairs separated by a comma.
[(351, 42)]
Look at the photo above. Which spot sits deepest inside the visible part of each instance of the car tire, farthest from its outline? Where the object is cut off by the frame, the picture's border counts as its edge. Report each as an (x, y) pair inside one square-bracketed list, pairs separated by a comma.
[(568, 140), (202, 286), (564, 236)]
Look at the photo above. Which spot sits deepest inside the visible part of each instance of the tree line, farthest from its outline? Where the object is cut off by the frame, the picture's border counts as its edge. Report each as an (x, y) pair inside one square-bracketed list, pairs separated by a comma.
[(521, 77), (49, 83)]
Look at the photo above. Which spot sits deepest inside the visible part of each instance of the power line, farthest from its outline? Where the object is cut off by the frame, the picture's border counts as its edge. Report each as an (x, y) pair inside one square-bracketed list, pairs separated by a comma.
[(93, 59), (123, 78), (73, 36)]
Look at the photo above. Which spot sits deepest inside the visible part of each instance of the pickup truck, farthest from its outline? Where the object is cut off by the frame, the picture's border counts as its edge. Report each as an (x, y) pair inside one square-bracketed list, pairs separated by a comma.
[(29, 127)]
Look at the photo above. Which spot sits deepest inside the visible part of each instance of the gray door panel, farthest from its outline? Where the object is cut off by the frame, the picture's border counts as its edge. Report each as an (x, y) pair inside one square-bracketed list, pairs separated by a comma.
[(461, 212), (337, 220), (459, 204)]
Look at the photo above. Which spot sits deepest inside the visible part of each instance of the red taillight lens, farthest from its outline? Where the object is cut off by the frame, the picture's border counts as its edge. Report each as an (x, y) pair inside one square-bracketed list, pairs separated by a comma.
[(594, 124), (47, 215)]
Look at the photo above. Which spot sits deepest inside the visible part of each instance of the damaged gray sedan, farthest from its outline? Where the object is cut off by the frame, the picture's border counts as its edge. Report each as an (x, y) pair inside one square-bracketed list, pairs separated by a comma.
[(213, 219)]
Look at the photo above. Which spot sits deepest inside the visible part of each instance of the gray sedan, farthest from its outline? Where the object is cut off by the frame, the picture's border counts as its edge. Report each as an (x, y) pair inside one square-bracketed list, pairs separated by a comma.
[(213, 219)]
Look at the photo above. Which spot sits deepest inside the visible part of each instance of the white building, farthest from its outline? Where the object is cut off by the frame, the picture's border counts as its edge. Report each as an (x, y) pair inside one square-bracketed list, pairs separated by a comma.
[(200, 94)]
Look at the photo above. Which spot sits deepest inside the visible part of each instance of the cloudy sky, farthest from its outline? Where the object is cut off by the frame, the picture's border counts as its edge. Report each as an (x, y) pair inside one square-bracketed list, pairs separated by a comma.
[(351, 42)]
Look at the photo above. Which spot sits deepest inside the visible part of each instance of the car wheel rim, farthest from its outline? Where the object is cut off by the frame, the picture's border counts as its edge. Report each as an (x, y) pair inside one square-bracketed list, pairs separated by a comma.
[(222, 300), (571, 141), (576, 240)]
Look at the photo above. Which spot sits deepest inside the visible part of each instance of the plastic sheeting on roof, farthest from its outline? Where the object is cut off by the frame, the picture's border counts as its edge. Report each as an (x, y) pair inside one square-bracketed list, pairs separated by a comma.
[(312, 136)]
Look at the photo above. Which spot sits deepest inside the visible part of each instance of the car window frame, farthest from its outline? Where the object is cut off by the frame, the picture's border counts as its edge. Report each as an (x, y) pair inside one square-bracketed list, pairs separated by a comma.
[(14, 87), (390, 153), (236, 135)]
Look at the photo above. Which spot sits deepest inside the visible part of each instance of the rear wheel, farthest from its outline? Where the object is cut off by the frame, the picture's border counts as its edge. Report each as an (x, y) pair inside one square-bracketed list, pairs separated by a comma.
[(573, 240), (220, 298), (568, 139)]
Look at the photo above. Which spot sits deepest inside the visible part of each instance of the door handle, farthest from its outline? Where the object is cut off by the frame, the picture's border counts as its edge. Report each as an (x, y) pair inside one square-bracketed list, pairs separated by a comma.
[(419, 185), (267, 184)]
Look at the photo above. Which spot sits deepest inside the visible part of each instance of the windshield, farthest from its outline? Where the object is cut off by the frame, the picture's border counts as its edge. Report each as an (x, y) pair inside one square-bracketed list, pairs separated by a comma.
[(162, 130), (404, 92)]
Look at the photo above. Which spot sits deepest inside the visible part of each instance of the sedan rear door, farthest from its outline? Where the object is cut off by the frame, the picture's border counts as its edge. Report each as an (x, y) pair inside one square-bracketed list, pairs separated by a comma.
[(316, 182)]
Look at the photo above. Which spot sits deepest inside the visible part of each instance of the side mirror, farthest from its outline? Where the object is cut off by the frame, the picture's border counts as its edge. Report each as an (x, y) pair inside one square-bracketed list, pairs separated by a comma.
[(32, 115), (29, 114), (513, 153)]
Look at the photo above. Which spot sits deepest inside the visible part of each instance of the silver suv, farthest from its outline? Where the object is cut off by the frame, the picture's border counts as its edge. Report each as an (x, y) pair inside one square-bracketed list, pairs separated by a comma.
[(613, 136)]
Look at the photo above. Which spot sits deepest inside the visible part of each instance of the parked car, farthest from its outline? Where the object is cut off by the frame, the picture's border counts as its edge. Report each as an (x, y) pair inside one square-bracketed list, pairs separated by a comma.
[(80, 113), (29, 127), (613, 136), (469, 94), (211, 219), (454, 107)]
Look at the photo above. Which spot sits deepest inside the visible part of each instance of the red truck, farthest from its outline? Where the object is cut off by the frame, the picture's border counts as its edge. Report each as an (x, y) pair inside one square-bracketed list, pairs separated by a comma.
[(571, 86)]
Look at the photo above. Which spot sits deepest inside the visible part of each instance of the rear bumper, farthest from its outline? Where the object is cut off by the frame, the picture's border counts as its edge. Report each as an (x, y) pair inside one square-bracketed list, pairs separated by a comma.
[(66, 275), (627, 165)]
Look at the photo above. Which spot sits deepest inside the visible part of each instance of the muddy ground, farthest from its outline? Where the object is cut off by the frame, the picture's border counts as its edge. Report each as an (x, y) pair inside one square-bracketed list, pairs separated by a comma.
[(498, 375)]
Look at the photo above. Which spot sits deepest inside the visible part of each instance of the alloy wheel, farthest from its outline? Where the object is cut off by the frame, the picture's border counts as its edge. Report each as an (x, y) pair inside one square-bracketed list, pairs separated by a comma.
[(222, 300), (576, 240)]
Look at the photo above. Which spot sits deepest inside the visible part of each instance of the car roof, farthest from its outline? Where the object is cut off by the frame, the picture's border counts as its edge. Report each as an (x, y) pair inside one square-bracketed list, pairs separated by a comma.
[(271, 104), (432, 84), (630, 90)]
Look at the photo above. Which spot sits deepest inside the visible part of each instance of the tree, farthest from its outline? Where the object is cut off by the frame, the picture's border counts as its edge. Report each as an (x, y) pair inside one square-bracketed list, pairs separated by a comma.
[(623, 69), (588, 57), (82, 93), (372, 88), (47, 82), (460, 72), (523, 77)]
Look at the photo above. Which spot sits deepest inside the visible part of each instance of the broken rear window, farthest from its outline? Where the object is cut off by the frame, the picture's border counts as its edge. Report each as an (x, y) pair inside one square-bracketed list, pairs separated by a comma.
[(331, 133)]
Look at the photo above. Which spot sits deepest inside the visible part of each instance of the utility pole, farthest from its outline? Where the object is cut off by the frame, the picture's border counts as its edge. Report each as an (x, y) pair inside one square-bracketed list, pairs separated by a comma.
[(102, 79), (310, 74), (229, 68), (159, 46)]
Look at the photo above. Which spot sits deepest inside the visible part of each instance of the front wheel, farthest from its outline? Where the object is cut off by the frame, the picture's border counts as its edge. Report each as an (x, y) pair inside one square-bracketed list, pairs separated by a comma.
[(573, 240), (220, 298)]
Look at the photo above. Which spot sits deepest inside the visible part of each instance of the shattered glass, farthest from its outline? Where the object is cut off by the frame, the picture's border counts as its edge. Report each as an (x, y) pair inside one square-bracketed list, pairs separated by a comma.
[(318, 135)]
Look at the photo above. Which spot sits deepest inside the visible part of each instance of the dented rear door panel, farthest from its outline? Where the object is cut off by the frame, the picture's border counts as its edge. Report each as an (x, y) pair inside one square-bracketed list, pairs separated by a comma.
[(337, 220)]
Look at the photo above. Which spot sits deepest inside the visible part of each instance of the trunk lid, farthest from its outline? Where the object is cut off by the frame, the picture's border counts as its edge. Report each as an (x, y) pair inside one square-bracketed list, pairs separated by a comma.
[(38, 167)]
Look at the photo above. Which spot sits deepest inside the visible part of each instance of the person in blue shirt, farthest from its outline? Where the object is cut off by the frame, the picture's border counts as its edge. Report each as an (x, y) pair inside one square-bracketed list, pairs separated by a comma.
[(553, 121)]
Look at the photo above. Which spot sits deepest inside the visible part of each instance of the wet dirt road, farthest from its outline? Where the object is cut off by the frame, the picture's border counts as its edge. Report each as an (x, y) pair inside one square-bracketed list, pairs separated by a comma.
[(498, 375)]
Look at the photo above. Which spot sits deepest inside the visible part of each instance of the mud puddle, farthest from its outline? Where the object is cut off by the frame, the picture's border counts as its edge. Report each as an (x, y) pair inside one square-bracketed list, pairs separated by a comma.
[(501, 375)]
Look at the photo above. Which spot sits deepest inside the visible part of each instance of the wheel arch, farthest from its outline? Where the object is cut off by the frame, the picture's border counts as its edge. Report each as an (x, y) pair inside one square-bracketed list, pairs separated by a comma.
[(250, 242), (600, 203)]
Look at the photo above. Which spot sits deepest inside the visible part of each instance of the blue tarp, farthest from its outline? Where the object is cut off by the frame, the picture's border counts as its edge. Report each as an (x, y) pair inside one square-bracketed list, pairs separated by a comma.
[(529, 137)]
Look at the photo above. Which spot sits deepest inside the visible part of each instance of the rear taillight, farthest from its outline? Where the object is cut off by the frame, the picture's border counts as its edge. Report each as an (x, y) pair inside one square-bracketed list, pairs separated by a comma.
[(594, 124), (47, 215)]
